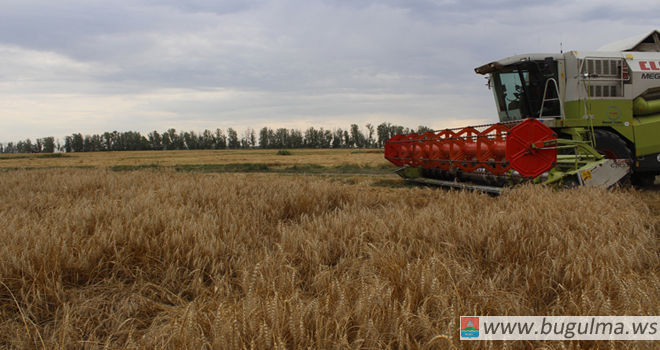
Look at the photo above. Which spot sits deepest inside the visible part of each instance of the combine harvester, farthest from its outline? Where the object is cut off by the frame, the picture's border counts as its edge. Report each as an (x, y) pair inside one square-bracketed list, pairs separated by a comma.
[(568, 119)]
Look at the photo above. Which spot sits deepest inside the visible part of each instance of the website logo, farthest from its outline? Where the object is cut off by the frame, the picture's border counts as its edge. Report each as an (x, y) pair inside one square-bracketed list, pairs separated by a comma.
[(469, 326)]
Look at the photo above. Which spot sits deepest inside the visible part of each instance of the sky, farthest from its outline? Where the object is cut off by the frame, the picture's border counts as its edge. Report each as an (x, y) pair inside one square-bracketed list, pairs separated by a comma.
[(92, 66)]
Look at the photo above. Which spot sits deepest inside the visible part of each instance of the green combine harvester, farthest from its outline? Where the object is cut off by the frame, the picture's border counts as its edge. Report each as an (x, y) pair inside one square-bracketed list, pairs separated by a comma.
[(566, 119)]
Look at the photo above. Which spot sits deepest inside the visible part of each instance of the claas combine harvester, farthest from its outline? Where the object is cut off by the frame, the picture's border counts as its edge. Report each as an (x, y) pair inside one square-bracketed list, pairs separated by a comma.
[(567, 119)]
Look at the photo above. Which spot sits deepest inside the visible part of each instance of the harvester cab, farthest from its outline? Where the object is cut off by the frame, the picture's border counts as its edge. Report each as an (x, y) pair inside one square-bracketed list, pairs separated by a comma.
[(524, 86), (565, 119)]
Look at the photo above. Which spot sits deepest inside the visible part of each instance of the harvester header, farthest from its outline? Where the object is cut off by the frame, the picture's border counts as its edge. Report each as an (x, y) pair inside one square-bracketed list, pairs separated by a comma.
[(497, 149)]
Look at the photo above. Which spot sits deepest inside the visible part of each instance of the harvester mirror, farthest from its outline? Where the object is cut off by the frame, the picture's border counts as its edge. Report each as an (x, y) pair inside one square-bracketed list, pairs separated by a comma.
[(548, 65)]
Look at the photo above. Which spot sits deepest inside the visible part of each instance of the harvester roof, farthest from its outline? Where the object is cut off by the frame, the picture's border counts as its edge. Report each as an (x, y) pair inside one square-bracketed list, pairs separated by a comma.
[(642, 42), (495, 65)]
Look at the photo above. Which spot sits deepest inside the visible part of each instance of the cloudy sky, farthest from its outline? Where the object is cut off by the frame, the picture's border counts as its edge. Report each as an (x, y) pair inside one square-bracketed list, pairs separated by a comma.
[(92, 66)]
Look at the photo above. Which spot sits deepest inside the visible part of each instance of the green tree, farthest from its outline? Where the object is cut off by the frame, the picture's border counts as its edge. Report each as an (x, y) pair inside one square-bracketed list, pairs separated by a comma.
[(296, 139), (220, 139), (155, 140), (87, 144), (422, 129), (232, 139), (397, 130), (249, 139), (189, 140), (357, 138), (77, 143), (383, 133), (326, 138), (370, 136), (281, 138), (312, 139), (167, 142), (337, 138), (208, 139), (263, 138), (68, 144)]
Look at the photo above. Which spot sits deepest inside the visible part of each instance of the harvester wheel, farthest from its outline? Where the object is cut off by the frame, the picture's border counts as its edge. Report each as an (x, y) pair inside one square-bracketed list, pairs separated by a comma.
[(643, 179), (612, 146), (570, 182)]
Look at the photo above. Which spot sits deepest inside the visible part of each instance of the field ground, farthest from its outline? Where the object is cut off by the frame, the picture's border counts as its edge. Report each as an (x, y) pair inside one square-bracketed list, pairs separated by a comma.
[(126, 250)]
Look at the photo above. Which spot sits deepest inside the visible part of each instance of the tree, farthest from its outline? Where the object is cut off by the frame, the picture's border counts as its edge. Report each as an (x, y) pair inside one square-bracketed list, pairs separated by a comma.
[(77, 143), (337, 138), (176, 140), (171, 140), (207, 139), (87, 144), (155, 140), (326, 138), (97, 143), (220, 140), (232, 139), (295, 139), (249, 138), (357, 138), (281, 138), (397, 130), (29, 147), (106, 140), (253, 138), (167, 142), (68, 144), (21, 147), (370, 138), (189, 140), (383, 132), (48, 144), (312, 139), (422, 129), (263, 138), (245, 143)]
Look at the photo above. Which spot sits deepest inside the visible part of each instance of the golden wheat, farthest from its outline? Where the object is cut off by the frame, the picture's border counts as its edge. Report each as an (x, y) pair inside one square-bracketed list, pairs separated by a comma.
[(160, 259), (324, 157)]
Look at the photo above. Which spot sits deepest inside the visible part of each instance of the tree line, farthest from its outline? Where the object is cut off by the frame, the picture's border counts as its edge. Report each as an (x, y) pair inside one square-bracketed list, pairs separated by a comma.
[(352, 137)]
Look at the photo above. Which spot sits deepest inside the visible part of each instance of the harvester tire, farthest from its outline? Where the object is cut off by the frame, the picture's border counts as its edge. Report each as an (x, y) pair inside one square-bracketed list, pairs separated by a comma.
[(643, 179), (612, 146), (569, 183)]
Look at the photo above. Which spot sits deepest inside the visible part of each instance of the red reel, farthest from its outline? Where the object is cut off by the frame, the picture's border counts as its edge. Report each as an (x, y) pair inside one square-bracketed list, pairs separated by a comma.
[(527, 160)]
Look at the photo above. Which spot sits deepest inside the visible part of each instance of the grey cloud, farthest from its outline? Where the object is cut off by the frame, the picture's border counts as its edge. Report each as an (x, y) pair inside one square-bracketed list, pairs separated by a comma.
[(303, 58)]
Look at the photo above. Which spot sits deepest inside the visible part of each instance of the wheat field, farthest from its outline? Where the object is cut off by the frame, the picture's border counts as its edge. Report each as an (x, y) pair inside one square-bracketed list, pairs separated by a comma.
[(156, 259), (323, 157)]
